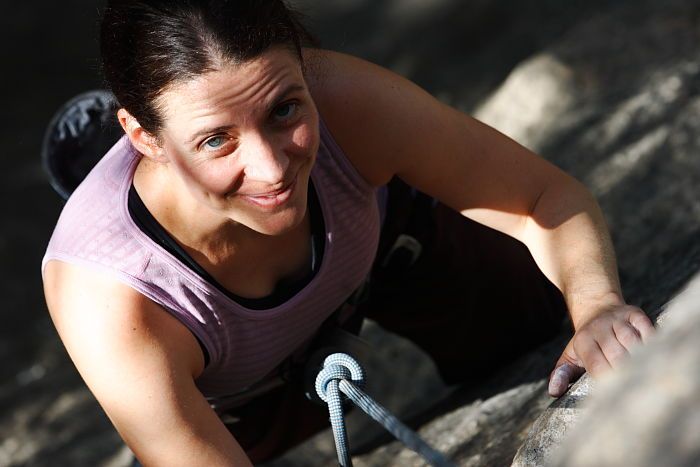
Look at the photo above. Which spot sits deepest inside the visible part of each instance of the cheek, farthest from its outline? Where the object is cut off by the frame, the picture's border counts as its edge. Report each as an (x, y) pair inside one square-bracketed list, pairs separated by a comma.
[(215, 176), (306, 138)]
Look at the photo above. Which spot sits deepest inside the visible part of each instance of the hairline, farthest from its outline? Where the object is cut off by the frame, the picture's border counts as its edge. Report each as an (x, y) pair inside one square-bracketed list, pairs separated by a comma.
[(217, 62)]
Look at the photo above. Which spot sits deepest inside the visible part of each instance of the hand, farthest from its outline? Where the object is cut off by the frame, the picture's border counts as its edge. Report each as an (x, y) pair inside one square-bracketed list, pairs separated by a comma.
[(600, 344)]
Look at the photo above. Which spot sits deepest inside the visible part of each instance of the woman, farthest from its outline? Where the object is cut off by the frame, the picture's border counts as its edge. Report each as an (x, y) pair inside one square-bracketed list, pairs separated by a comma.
[(244, 206)]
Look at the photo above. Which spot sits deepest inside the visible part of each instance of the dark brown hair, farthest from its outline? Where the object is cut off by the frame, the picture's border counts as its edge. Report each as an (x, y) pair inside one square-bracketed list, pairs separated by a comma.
[(147, 45)]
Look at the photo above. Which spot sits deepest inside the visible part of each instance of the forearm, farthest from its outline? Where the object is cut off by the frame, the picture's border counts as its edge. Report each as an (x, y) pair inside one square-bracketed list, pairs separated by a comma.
[(568, 237)]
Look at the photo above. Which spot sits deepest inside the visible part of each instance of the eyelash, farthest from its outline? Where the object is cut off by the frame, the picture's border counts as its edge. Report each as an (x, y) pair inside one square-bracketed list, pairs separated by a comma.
[(206, 141), (293, 112)]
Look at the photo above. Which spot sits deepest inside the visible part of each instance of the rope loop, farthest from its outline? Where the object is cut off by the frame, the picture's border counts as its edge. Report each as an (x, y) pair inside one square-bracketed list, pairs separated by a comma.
[(338, 367), (341, 376)]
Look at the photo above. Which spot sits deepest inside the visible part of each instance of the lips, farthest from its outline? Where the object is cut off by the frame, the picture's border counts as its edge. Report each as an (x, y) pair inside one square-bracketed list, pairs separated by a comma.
[(272, 199), (273, 193)]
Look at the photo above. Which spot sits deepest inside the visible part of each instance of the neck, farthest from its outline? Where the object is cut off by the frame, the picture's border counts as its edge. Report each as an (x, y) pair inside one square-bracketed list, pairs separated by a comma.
[(197, 228), (237, 256)]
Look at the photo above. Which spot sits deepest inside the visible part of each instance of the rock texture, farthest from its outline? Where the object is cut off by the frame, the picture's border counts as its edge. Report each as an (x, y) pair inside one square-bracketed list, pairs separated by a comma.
[(551, 427), (648, 413), (607, 90), (615, 102)]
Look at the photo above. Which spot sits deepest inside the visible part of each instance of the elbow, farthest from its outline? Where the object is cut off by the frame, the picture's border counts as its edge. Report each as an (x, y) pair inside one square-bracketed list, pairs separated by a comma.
[(559, 201)]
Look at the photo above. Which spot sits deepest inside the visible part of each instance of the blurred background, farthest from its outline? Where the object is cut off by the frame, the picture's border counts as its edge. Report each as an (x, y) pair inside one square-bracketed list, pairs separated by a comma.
[(607, 90)]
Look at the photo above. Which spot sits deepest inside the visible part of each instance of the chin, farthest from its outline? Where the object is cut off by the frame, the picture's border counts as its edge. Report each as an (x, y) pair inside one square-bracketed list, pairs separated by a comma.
[(277, 222), (267, 218), (280, 221), (278, 225)]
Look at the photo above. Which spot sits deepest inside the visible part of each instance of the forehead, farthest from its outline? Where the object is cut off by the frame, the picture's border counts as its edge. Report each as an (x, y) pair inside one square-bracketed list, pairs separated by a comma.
[(231, 86)]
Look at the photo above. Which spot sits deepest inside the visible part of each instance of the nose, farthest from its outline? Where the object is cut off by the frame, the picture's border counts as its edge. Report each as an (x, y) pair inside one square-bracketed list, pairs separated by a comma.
[(264, 159)]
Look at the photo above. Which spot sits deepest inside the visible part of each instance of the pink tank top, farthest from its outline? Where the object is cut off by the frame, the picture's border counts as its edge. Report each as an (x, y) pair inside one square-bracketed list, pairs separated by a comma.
[(95, 230)]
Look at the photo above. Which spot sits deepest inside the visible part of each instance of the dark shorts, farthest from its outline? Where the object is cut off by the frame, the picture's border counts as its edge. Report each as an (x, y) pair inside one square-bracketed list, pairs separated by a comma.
[(473, 297)]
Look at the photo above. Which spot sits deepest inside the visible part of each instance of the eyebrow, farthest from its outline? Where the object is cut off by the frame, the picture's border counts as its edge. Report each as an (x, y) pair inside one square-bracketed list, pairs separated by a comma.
[(283, 95)]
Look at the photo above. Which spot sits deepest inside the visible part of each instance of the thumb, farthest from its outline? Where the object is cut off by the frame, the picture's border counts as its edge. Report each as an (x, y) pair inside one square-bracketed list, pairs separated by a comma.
[(560, 378), (567, 370)]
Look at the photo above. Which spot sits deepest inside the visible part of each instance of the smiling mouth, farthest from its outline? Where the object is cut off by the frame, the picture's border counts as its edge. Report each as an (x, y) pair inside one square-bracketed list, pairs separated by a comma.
[(273, 199)]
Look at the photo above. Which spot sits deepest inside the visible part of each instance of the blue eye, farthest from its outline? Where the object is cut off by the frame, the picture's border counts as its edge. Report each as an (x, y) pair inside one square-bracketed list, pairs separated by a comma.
[(285, 110), (215, 142)]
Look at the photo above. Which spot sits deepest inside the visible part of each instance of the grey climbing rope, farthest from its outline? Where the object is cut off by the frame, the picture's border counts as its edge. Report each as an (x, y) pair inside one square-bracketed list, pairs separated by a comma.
[(342, 373)]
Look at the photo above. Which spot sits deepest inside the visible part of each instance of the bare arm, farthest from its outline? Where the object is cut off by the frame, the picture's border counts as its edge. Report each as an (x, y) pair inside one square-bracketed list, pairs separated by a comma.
[(140, 363), (389, 126)]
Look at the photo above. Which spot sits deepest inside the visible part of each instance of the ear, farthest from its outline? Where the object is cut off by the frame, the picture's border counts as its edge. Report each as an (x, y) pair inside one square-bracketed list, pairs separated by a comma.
[(143, 141)]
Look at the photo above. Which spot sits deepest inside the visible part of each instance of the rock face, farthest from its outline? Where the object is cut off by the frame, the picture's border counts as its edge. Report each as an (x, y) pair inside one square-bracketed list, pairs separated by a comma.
[(587, 427), (615, 102), (551, 427), (532, 101), (607, 90), (648, 413), (651, 136)]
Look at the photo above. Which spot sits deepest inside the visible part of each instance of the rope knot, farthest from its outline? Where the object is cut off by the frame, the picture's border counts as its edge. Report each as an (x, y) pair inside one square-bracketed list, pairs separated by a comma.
[(341, 374), (338, 367)]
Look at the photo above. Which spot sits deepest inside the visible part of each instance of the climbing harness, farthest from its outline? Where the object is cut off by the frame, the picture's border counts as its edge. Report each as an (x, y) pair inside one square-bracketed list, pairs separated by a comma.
[(342, 373)]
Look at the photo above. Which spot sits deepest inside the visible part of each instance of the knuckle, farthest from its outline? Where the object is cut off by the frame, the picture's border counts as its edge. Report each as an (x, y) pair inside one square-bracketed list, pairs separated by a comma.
[(636, 313), (583, 346), (628, 335), (598, 365), (584, 335), (617, 355)]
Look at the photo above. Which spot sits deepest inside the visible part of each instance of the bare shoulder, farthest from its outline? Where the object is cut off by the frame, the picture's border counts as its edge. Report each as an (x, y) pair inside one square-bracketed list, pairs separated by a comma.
[(377, 116), (92, 309), (140, 363)]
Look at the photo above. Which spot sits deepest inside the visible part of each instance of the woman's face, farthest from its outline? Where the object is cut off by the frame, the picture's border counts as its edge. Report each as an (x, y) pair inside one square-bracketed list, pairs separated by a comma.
[(243, 139)]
